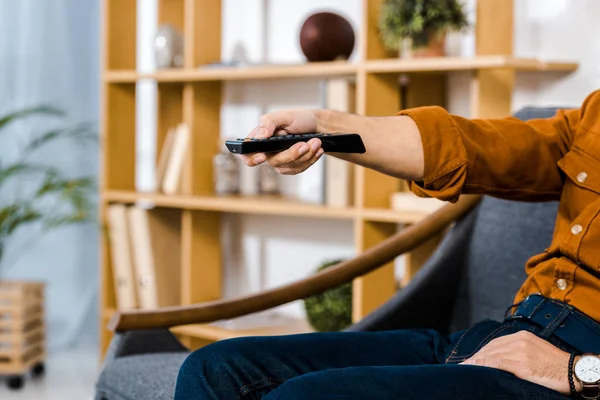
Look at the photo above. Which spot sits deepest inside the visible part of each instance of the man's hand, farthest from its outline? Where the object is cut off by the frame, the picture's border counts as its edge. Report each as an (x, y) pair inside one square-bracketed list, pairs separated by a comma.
[(527, 357), (394, 145), (301, 155)]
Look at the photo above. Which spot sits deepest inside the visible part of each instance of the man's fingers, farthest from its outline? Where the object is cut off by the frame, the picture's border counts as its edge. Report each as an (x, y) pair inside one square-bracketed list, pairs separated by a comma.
[(301, 167), (502, 363), (252, 160), (291, 156), (294, 160)]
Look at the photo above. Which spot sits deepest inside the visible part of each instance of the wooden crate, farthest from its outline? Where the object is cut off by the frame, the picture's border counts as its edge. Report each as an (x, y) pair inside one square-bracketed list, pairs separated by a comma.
[(22, 328)]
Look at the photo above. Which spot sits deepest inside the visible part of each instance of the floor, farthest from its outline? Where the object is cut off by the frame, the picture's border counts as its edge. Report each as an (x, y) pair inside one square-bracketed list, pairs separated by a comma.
[(70, 375)]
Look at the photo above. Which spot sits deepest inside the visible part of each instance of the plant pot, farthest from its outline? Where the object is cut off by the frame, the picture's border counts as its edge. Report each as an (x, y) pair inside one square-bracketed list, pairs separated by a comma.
[(436, 48)]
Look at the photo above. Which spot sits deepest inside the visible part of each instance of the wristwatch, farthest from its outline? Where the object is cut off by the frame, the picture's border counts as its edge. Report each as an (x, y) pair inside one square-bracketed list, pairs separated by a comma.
[(587, 372)]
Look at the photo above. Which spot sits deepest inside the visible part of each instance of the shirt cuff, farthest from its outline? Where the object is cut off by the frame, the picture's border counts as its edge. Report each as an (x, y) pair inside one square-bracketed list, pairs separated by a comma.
[(444, 151)]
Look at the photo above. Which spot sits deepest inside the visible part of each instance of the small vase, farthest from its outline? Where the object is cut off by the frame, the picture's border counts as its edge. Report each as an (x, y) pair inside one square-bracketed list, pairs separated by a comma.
[(226, 174), (268, 181), (435, 48)]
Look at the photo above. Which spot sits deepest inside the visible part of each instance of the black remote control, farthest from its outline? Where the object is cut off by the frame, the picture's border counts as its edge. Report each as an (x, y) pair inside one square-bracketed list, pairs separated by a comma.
[(331, 143)]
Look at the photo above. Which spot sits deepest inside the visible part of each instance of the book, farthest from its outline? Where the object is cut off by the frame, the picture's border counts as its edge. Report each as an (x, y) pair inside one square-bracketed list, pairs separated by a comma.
[(155, 238), (120, 252), (173, 170), (164, 156)]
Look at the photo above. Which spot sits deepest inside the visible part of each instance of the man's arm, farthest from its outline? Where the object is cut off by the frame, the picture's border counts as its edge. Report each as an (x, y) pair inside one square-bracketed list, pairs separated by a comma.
[(393, 143), (442, 155)]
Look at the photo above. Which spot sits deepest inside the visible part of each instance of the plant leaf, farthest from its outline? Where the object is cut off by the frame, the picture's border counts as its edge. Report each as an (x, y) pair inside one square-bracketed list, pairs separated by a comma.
[(15, 215), (26, 112), (6, 213), (81, 131), (76, 217), (20, 168), (27, 216)]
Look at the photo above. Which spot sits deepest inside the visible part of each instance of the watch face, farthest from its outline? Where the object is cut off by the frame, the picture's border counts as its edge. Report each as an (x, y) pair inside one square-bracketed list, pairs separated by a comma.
[(587, 369)]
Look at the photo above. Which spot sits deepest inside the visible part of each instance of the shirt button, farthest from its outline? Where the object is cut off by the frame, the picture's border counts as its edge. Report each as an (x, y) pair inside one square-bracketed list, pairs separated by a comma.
[(581, 177), (576, 229), (562, 284)]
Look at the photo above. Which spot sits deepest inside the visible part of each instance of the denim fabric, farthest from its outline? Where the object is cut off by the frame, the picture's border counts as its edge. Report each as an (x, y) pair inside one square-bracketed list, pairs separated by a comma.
[(402, 364)]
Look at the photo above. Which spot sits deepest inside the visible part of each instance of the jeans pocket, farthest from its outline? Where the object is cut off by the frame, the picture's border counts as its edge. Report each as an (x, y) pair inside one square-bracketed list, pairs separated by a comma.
[(476, 338)]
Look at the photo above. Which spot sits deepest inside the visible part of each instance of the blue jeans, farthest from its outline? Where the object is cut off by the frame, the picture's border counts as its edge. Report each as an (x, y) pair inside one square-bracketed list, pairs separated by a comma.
[(402, 364)]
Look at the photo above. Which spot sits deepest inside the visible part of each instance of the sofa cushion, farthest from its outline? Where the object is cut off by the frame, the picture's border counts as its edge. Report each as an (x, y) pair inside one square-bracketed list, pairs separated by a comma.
[(146, 376)]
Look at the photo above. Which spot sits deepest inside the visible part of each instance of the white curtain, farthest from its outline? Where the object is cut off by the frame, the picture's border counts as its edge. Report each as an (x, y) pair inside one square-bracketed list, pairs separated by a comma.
[(49, 53)]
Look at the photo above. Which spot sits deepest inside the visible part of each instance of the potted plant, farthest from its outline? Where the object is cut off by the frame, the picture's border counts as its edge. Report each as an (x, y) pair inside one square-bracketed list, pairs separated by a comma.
[(418, 28), (35, 193), (49, 198), (330, 311)]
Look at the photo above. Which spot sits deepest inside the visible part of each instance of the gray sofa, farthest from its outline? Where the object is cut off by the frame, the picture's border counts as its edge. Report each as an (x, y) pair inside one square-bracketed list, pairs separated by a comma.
[(474, 274)]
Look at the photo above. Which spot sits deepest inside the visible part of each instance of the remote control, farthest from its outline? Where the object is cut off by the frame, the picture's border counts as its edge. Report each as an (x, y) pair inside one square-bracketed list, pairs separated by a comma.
[(331, 143)]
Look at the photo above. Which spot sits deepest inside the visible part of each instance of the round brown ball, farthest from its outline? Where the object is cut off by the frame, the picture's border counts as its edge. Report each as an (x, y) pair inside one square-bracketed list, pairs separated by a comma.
[(326, 36)]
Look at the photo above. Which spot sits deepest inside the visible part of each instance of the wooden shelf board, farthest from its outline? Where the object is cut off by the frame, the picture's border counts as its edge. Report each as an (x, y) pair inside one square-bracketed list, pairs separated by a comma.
[(340, 68), (265, 205), (216, 333), (447, 64), (235, 204), (214, 73)]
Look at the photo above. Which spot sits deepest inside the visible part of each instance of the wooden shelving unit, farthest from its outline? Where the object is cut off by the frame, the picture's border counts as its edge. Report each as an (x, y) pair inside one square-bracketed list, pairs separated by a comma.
[(193, 95)]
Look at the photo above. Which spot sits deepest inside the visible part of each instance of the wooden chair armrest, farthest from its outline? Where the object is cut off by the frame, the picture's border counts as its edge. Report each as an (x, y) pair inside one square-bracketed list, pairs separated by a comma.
[(346, 271)]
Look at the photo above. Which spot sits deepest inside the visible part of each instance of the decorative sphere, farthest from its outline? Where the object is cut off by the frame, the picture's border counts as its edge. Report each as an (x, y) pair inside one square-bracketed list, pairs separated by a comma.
[(326, 36)]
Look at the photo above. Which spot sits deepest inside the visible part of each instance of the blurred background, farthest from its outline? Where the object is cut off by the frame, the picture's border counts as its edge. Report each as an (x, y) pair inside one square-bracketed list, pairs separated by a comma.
[(51, 56)]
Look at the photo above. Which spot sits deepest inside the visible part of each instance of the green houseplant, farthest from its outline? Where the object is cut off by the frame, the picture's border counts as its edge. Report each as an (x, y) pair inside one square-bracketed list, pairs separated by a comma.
[(32, 192), (330, 311), (420, 24)]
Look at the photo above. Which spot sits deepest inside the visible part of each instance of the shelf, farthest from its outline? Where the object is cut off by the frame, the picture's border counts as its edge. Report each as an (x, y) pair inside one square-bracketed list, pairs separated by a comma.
[(265, 205), (214, 73), (448, 64), (340, 68)]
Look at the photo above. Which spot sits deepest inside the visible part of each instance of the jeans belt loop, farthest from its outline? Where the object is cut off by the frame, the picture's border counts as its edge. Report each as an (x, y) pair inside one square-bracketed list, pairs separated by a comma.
[(531, 306)]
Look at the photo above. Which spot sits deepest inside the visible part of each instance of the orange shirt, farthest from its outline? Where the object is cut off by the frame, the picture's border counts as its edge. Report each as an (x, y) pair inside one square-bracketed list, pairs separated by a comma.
[(539, 160)]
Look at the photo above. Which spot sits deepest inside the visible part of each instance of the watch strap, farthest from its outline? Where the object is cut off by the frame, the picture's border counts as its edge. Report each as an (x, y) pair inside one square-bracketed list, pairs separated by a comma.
[(590, 391)]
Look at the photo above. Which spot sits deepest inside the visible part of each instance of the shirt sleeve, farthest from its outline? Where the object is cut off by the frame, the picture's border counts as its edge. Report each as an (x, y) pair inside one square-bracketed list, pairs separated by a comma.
[(506, 157)]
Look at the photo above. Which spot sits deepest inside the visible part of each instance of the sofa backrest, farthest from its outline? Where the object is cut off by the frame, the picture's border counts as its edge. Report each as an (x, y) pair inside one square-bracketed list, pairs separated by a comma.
[(505, 235)]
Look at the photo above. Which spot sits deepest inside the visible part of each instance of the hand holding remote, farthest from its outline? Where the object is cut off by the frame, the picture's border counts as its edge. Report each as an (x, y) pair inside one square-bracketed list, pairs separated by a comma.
[(298, 157)]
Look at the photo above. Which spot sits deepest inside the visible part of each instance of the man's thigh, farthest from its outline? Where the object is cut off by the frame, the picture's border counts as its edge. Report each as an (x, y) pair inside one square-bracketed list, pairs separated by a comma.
[(253, 366), (432, 382)]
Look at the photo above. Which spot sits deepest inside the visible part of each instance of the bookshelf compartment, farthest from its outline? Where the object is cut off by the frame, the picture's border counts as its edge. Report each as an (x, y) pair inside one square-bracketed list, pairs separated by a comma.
[(202, 116)]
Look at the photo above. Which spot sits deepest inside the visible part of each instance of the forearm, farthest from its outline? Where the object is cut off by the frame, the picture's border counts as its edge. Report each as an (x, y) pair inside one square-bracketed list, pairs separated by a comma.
[(393, 143)]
